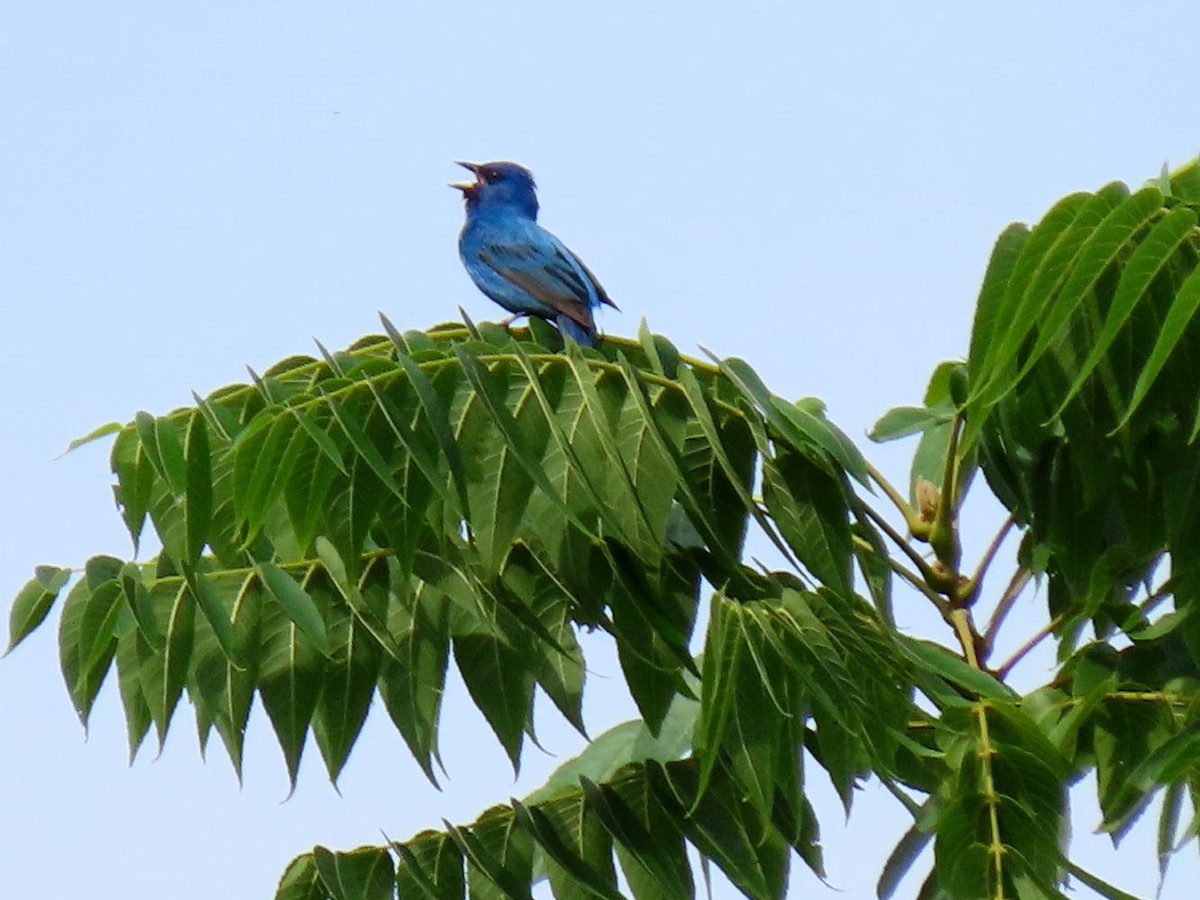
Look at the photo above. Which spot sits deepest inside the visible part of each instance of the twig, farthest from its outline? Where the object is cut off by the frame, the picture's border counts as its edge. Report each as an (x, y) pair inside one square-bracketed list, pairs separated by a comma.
[(976, 582), (931, 577), (912, 578), (1015, 586), (1040, 635)]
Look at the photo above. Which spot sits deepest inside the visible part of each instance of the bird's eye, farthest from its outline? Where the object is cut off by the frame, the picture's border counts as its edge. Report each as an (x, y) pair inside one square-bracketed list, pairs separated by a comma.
[(491, 175)]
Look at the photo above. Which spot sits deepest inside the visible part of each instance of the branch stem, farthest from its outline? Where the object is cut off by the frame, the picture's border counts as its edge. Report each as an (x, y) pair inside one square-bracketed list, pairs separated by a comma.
[(912, 520), (912, 578), (932, 578), (1040, 635), (976, 583), (1005, 604), (964, 629)]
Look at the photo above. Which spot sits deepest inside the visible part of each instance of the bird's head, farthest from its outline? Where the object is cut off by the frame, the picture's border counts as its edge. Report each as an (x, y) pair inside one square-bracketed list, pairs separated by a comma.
[(499, 185)]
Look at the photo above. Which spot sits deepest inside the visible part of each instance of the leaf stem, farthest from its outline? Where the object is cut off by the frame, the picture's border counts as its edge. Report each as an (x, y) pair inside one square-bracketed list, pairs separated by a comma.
[(964, 629), (934, 579), (912, 578), (912, 520), (1139, 697), (996, 849)]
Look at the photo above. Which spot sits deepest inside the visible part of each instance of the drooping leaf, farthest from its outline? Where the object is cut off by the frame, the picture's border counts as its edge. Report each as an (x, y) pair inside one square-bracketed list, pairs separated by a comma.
[(33, 602)]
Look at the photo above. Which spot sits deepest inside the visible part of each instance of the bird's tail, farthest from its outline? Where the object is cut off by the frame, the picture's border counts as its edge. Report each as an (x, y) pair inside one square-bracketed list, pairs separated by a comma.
[(585, 337)]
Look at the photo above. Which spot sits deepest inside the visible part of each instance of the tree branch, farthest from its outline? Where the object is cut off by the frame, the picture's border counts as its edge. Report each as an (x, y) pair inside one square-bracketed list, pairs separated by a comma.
[(1016, 585), (912, 578), (934, 579), (975, 584), (1040, 635)]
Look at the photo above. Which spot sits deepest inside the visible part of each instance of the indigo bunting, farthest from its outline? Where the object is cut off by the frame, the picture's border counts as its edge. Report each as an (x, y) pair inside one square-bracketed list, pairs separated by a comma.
[(515, 261)]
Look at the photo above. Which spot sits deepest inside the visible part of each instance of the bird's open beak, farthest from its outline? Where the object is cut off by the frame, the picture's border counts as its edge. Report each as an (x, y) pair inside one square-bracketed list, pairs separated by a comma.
[(467, 187)]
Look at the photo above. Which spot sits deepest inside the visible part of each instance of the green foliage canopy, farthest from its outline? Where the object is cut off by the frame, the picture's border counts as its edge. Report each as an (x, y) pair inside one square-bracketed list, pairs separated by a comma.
[(347, 525)]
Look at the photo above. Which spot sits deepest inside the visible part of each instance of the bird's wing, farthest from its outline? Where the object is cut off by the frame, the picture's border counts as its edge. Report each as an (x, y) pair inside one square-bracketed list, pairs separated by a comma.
[(601, 294), (543, 267)]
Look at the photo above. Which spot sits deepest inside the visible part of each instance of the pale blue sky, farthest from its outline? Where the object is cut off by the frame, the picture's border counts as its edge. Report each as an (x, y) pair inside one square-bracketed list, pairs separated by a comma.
[(189, 188)]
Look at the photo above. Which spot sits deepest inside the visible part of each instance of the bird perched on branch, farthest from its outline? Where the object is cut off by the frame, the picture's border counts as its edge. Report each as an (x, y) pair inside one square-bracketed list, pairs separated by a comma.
[(515, 261)]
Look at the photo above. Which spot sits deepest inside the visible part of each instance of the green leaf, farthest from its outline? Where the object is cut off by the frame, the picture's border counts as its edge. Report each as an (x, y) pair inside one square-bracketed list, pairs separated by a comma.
[(95, 434), (809, 506), (1036, 279), (751, 706), (1144, 264), (561, 670), (199, 493), (202, 590), (413, 685), (311, 477), (129, 682), (346, 691), (296, 604), (499, 856), (289, 678), (1168, 826), (220, 688), (499, 452), (993, 293), (650, 847), (301, 881), (33, 602), (876, 572), (525, 430), (321, 438), (135, 481), (362, 874), (940, 661), (164, 673), (98, 623), (350, 593), (725, 829), (929, 460), (430, 866), (900, 860), (808, 419), (902, 421), (1099, 885), (348, 418), (660, 353), (1179, 316), (577, 845), (651, 644), (1097, 253), (160, 438), (83, 680), (439, 423), (652, 439), (500, 685), (1169, 761), (629, 742)]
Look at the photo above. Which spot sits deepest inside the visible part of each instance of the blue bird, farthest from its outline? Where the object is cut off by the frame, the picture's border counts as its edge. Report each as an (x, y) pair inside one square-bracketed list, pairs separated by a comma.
[(515, 261)]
